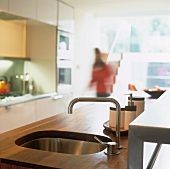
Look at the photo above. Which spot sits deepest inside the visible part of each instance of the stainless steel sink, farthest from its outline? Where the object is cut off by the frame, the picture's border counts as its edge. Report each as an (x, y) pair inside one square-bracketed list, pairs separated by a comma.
[(63, 142), (67, 146)]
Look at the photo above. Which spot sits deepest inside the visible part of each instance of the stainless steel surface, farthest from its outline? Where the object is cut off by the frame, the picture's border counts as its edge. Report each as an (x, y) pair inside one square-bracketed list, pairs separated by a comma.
[(111, 147), (58, 97), (67, 146), (101, 99), (99, 140)]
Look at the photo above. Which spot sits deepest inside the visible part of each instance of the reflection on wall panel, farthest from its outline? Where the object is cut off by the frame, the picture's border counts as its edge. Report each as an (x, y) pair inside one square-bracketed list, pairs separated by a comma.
[(41, 48)]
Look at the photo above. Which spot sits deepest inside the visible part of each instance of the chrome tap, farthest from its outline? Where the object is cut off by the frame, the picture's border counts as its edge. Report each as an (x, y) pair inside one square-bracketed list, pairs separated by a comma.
[(101, 99)]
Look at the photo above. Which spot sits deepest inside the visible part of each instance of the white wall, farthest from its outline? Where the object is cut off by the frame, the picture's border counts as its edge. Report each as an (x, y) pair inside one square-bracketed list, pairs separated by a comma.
[(86, 35)]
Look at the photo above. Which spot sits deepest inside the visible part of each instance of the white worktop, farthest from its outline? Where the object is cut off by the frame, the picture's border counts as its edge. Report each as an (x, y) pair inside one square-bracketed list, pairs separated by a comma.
[(153, 126), (157, 115)]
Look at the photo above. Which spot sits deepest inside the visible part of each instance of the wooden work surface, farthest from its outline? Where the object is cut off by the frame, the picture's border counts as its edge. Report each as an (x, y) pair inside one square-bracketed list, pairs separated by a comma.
[(85, 119)]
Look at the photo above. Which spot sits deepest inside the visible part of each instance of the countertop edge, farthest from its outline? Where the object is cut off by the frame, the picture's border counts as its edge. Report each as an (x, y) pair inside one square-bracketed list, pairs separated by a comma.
[(28, 98)]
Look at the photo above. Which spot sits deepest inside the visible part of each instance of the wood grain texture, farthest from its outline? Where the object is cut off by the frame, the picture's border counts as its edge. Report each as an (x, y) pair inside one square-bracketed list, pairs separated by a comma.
[(86, 119), (10, 166)]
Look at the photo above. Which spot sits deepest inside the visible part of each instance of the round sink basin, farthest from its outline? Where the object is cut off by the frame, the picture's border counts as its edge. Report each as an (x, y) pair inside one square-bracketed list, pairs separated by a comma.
[(63, 142)]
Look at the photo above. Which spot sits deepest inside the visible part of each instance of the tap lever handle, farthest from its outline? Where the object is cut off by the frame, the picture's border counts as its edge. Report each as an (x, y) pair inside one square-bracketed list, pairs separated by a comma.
[(111, 146), (101, 142)]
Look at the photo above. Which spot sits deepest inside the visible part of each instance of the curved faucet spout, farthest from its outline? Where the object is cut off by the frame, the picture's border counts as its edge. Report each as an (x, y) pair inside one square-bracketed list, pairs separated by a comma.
[(101, 99)]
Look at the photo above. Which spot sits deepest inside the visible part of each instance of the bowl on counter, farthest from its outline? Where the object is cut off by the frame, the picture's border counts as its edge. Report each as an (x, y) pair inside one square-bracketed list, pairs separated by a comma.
[(154, 93)]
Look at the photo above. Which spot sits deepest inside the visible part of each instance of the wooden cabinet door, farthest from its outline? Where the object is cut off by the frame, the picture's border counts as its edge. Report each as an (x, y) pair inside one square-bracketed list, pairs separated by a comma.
[(15, 46), (47, 11), (25, 8), (18, 115)]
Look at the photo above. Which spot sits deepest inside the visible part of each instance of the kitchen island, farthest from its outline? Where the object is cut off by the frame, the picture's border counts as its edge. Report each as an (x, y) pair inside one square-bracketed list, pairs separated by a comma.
[(85, 119), (89, 118)]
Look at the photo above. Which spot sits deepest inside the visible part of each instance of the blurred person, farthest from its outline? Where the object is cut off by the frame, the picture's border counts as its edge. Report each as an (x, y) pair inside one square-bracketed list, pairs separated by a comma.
[(102, 76)]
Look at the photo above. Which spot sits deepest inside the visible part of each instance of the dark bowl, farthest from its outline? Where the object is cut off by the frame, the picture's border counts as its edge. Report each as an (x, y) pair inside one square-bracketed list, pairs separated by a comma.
[(155, 94)]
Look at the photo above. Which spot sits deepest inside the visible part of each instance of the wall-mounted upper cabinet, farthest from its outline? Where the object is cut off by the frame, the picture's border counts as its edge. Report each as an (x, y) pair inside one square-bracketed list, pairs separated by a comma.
[(52, 12), (4, 5), (47, 11), (24, 8), (13, 38), (66, 17)]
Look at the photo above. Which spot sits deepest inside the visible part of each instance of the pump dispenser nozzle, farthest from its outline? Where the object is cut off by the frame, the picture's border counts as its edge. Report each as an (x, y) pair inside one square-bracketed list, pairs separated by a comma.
[(130, 102), (130, 112)]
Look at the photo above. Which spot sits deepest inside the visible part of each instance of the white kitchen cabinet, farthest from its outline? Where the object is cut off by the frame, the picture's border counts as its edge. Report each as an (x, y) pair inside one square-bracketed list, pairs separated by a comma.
[(2, 112), (66, 17), (4, 5), (21, 114), (17, 115), (47, 11), (24, 8), (48, 107)]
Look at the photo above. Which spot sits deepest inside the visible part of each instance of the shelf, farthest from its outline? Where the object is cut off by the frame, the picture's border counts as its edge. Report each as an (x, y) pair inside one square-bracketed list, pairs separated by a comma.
[(14, 58)]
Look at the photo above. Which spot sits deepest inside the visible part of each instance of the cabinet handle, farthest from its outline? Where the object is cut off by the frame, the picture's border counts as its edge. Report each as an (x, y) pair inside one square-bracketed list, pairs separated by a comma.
[(7, 107), (57, 97)]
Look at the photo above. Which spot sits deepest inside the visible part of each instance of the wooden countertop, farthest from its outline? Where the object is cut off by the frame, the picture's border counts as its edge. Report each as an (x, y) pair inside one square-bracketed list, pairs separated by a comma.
[(85, 119)]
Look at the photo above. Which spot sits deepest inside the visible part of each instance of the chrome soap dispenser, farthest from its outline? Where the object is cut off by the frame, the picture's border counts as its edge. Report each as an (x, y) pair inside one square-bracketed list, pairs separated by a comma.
[(130, 113), (139, 102)]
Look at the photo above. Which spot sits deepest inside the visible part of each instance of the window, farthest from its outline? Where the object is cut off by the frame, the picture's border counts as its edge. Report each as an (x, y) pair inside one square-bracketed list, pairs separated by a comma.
[(140, 34)]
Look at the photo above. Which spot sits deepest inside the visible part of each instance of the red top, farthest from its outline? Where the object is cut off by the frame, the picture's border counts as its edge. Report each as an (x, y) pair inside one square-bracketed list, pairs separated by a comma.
[(103, 78)]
